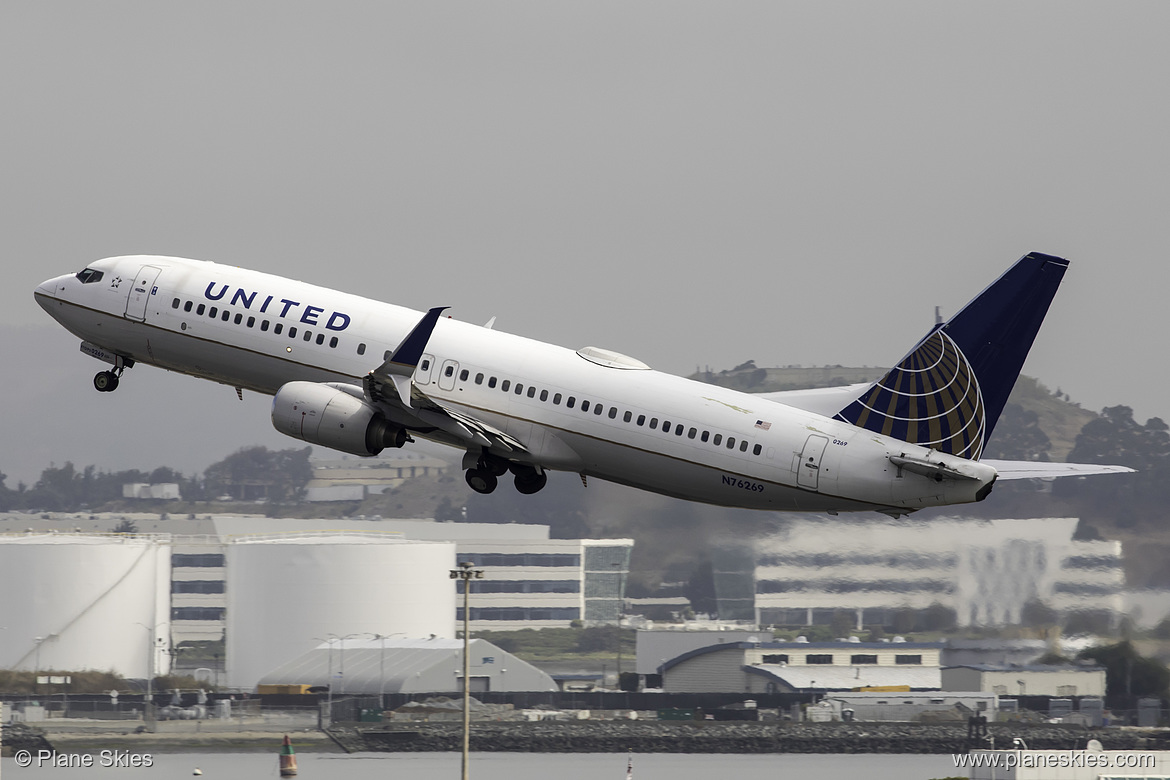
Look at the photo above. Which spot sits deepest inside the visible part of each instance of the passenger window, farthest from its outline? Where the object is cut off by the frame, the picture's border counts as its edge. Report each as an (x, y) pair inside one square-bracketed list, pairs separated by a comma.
[(653, 423), (175, 303), (519, 388), (226, 314), (730, 442), (666, 426), (187, 306), (718, 438), (569, 403), (251, 322), (292, 332), (598, 409), (361, 347), (450, 371), (743, 445), (627, 416), (584, 406), (544, 395), (426, 364), (463, 375), (308, 335), (199, 310), (333, 343), (691, 433), (678, 429), (613, 412), (277, 328), (557, 399), (213, 312), (756, 449), (492, 382), (479, 378), (506, 384), (264, 326), (532, 392), (706, 435), (320, 339), (239, 318), (641, 419)]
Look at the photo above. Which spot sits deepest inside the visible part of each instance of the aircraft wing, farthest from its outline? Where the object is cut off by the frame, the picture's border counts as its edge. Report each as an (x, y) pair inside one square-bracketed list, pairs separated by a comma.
[(1027, 469), (826, 401), (391, 387)]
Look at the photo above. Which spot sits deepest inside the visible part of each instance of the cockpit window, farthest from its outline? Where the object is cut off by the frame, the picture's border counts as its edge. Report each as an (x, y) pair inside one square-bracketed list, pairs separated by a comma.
[(89, 276)]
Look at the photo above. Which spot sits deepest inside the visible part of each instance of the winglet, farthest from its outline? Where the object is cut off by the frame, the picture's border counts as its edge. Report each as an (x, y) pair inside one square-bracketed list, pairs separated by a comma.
[(402, 363), (406, 356)]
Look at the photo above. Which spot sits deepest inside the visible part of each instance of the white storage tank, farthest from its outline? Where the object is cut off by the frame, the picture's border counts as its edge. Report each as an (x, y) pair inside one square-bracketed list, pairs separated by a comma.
[(288, 593), (85, 601)]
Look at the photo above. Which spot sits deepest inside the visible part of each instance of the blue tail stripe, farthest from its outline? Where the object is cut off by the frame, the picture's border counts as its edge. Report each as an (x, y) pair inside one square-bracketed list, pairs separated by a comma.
[(949, 391)]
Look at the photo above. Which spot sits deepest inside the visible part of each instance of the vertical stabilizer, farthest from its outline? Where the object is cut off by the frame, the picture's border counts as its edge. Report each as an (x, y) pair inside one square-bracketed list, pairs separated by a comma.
[(949, 391)]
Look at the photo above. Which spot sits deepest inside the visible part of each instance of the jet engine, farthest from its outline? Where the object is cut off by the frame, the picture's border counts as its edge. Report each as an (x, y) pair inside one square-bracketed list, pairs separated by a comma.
[(325, 415)]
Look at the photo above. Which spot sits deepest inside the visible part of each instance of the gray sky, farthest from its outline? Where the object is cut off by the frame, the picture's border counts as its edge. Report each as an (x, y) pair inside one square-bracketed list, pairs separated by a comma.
[(690, 183)]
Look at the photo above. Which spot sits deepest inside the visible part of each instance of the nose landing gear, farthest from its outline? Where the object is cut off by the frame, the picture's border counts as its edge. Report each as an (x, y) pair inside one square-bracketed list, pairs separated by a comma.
[(107, 381)]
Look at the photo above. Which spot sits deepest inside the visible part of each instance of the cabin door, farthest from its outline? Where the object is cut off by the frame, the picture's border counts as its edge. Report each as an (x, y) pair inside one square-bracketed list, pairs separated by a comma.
[(808, 473), (140, 291)]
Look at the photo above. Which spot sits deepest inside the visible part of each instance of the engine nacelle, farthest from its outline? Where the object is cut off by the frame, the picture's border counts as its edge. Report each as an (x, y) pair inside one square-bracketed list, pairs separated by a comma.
[(320, 414)]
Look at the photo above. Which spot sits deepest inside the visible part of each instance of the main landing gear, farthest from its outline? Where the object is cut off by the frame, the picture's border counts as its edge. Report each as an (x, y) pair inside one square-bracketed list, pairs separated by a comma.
[(484, 476), (107, 381)]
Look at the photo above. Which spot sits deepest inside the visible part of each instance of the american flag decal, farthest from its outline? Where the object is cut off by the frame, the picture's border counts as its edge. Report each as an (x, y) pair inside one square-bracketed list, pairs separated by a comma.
[(763, 426)]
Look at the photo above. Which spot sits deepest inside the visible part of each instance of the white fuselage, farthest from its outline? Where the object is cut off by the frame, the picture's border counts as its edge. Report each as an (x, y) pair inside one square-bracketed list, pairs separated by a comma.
[(723, 447)]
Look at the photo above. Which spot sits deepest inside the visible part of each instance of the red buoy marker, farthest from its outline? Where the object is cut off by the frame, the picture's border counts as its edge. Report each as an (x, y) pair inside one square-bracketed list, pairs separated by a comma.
[(288, 759)]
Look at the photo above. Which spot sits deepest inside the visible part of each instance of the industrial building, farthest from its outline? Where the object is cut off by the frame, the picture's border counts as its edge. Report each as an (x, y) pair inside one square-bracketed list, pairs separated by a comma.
[(966, 572), (784, 667), (1030, 680), (355, 479), (404, 665), (288, 593), (248, 580), (85, 601)]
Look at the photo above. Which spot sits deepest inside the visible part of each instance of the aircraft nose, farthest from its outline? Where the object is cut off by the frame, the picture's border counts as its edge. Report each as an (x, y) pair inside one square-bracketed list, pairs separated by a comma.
[(47, 287)]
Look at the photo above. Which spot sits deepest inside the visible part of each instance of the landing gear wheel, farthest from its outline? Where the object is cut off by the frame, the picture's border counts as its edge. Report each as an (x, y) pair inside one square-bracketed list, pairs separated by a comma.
[(497, 467), (531, 482), (106, 382), (481, 481)]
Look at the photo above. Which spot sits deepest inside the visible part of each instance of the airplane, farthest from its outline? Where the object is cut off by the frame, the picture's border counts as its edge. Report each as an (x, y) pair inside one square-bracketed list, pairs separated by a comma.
[(358, 375)]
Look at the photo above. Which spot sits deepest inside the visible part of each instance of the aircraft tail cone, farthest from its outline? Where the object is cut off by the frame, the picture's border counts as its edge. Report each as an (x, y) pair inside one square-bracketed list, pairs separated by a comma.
[(288, 759)]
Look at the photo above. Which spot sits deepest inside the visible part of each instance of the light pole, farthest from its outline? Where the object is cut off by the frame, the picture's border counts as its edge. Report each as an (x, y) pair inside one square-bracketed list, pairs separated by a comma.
[(329, 687), (466, 574), (341, 662), (148, 705), (621, 611), (382, 666)]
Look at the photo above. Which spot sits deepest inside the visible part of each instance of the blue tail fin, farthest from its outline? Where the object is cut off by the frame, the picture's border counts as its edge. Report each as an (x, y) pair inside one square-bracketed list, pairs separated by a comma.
[(947, 394)]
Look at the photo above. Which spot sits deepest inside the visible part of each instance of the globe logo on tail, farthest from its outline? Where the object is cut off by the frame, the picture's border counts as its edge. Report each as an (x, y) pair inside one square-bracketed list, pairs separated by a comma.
[(931, 398)]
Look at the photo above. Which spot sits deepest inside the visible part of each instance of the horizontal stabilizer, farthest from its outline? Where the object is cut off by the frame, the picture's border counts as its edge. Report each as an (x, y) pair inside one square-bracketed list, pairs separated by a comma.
[(1030, 469), (825, 401)]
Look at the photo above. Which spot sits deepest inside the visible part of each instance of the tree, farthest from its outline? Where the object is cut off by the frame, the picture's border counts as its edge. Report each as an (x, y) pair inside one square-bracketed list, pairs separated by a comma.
[(1018, 436), (1127, 673), (259, 473), (1116, 438)]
